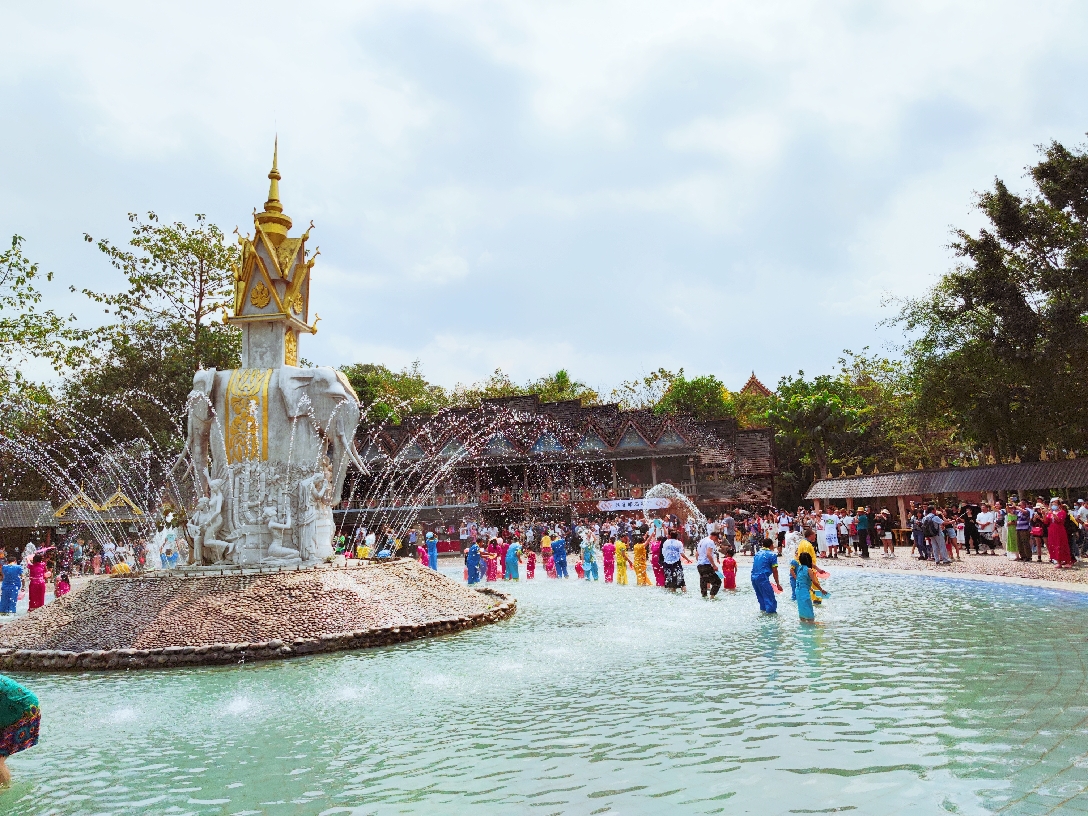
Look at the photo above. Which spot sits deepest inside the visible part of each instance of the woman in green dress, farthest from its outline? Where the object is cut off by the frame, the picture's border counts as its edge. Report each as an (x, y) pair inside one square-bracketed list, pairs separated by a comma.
[(20, 718)]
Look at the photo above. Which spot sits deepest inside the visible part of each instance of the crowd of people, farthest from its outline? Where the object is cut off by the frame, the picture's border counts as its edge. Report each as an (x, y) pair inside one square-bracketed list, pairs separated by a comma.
[(659, 546)]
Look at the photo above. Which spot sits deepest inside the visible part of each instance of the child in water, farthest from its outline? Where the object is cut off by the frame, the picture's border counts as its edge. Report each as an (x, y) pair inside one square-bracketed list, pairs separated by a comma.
[(729, 570), (530, 565), (549, 565), (579, 570), (63, 586)]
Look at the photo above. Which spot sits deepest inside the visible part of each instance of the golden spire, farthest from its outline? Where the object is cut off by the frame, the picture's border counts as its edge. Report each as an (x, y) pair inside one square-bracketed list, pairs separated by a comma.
[(273, 203), (272, 221)]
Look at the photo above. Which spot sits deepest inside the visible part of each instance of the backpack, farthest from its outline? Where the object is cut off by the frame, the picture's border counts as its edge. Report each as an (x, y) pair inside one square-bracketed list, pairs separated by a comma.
[(1071, 528), (930, 528)]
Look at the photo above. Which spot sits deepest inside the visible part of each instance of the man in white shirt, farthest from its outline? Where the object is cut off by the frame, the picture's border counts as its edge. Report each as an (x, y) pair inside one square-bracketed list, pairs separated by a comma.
[(829, 537), (707, 564), (987, 527), (784, 522)]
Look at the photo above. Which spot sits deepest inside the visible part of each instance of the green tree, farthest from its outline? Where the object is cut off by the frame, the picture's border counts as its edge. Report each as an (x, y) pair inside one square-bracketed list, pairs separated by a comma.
[(26, 330), (552, 388), (703, 397), (645, 393), (178, 276), (133, 374), (389, 395), (1000, 341), (823, 419), (899, 428), (560, 386)]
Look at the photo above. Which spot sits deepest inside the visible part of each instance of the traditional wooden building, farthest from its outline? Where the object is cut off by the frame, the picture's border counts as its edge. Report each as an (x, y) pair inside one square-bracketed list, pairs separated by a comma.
[(560, 458)]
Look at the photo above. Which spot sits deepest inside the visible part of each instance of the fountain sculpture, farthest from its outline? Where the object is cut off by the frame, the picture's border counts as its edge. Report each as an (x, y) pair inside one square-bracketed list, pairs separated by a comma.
[(268, 446), (269, 443)]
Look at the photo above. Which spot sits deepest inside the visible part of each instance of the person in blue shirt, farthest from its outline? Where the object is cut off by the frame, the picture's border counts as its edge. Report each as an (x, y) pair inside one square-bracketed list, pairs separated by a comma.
[(9, 589), (559, 553), (764, 566), (432, 551), (472, 563)]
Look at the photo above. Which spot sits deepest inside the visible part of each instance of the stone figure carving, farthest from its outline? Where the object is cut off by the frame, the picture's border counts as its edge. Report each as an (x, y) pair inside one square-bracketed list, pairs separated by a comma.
[(277, 552), (311, 491), (195, 528), (198, 429), (205, 524)]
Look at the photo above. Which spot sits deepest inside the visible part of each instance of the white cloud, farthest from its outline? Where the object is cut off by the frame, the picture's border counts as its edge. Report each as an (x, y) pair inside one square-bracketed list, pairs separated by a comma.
[(441, 268), (545, 185)]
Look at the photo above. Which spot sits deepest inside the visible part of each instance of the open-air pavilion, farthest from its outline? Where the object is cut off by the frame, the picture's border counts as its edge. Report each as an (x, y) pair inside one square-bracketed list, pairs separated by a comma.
[(897, 490)]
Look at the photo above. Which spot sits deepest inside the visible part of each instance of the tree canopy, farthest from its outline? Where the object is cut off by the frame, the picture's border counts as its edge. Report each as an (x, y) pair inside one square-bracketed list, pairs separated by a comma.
[(999, 341)]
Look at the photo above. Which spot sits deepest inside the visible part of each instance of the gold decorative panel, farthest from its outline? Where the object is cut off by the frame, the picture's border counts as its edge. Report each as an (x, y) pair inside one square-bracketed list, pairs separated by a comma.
[(246, 434), (290, 348), (260, 296)]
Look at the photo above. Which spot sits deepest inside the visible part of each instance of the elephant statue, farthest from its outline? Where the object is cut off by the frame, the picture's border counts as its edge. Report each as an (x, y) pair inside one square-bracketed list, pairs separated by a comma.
[(274, 430), (326, 395)]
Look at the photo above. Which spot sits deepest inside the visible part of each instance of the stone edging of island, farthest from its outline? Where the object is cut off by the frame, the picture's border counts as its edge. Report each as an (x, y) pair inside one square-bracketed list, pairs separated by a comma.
[(229, 653)]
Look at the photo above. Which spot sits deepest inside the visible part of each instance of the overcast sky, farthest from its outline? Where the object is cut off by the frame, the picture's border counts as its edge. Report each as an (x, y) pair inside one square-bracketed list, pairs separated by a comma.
[(605, 187)]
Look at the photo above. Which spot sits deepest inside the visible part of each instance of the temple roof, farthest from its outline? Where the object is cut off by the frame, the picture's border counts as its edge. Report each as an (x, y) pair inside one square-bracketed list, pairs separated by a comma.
[(566, 429), (754, 386)]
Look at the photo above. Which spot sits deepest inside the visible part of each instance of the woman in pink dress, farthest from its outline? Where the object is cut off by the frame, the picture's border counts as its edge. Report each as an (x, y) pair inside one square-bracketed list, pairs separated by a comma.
[(656, 562), (1057, 540), (608, 561), (37, 581)]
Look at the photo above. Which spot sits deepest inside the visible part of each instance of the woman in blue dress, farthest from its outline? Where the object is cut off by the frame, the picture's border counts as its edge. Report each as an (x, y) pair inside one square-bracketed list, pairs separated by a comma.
[(513, 558), (806, 582), (9, 589)]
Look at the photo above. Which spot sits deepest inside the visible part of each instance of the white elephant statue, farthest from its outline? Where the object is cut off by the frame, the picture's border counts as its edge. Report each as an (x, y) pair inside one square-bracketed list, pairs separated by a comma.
[(264, 431)]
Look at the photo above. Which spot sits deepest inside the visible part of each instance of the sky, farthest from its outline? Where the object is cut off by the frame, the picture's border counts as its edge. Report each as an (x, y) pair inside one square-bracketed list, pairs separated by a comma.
[(606, 187)]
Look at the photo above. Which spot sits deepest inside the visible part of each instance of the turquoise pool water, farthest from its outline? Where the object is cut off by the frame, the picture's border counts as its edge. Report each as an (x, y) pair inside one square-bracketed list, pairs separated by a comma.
[(915, 695)]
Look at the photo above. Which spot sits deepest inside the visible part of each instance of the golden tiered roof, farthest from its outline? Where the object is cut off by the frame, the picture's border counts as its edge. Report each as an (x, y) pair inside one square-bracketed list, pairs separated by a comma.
[(272, 283)]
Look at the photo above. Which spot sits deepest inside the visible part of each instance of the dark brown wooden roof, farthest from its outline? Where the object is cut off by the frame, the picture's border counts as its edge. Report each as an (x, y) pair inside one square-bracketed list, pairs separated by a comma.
[(1028, 476), (17, 514)]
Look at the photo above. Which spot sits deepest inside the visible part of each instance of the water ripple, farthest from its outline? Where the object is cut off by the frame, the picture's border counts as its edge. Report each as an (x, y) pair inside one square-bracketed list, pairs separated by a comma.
[(912, 696)]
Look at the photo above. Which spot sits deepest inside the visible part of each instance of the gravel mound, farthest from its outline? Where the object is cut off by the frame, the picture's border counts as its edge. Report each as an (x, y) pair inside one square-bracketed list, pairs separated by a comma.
[(154, 613)]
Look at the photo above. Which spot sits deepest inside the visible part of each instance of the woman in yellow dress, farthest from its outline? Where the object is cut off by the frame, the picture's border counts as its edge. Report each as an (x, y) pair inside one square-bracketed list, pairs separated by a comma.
[(623, 560), (641, 579)]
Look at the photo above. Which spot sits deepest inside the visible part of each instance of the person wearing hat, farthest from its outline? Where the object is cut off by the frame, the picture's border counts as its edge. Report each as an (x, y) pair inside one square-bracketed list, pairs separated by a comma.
[(764, 566), (707, 565)]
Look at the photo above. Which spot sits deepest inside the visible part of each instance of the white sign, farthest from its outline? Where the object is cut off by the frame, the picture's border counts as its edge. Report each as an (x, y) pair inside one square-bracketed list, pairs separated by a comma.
[(632, 504)]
